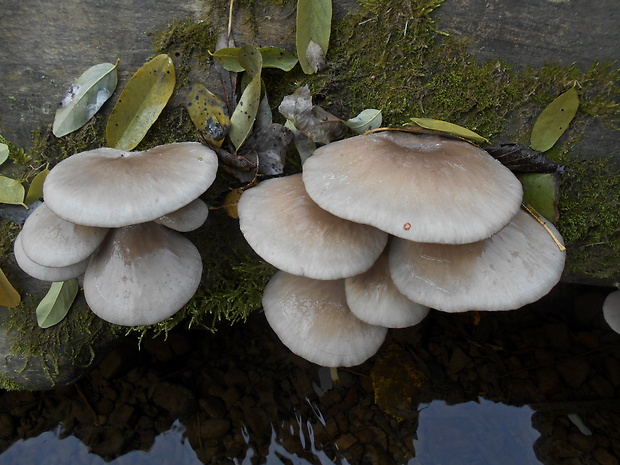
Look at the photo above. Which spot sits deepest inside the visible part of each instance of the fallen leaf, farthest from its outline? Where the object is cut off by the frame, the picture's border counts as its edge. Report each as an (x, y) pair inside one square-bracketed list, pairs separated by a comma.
[(11, 191), (208, 113), (273, 57), (9, 297), (4, 152), (541, 191), (242, 119), (35, 191), (449, 128), (85, 97), (56, 303), (231, 201), (141, 102), (268, 144), (304, 145), (313, 29), (554, 120), (516, 157), (368, 119), (314, 121)]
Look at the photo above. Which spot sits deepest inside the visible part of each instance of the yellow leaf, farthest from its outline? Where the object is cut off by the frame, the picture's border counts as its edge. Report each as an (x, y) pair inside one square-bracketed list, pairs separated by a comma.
[(231, 201), (449, 128), (11, 191), (9, 297), (141, 102), (208, 113), (35, 191)]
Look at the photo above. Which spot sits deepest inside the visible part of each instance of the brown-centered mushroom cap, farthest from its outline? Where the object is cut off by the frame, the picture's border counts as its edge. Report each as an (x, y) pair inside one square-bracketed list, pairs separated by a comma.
[(373, 298), (106, 187), (141, 275), (46, 273), (50, 241), (312, 319), (516, 266), (287, 229), (423, 188)]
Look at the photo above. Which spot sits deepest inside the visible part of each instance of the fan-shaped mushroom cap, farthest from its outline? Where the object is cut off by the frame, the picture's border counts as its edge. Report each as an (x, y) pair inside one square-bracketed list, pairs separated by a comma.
[(287, 229), (422, 188), (312, 319), (141, 275), (50, 241), (516, 266), (46, 273), (111, 188), (190, 217), (611, 310), (373, 298)]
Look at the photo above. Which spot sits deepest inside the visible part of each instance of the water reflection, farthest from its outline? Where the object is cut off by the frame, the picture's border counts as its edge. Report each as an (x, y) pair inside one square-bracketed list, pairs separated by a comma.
[(446, 392), (476, 433), (50, 448)]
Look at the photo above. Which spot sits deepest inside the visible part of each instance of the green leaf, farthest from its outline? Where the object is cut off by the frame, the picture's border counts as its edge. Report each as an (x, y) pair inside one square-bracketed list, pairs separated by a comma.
[(208, 113), (314, 19), (273, 57), (11, 191), (139, 105), (35, 191), (4, 152), (541, 191), (85, 97), (9, 297), (554, 120), (366, 120), (450, 128), (55, 305), (243, 117)]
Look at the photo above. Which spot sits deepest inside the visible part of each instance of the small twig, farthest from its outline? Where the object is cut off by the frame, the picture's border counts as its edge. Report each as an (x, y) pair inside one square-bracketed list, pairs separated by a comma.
[(538, 218)]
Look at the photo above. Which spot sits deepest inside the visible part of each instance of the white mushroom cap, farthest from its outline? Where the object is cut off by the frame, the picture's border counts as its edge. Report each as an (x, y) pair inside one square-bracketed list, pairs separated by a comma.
[(46, 273), (141, 275), (422, 188), (373, 298), (190, 217), (611, 310), (287, 229), (517, 266), (112, 188), (50, 241), (312, 319)]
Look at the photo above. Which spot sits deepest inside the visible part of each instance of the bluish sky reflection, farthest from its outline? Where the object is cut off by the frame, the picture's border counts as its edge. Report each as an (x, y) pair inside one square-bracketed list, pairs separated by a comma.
[(475, 433)]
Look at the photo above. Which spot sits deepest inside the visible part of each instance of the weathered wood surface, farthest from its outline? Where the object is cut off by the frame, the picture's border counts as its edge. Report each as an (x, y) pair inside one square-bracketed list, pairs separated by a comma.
[(45, 44)]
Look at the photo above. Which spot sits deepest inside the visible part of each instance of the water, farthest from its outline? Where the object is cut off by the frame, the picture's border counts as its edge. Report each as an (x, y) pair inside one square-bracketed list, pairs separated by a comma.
[(537, 386)]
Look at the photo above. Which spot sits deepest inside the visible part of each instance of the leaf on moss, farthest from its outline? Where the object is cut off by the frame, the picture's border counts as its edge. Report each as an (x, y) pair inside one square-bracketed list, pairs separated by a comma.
[(208, 113), (9, 297), (314, 19), (449, 128), (242, 119), (35, 191), (541, 191), (11, 191), (4, 152), (141, 102), (554, 120), (368, 119), (273, 57), (231, 201), (56, 303), (85, 97)]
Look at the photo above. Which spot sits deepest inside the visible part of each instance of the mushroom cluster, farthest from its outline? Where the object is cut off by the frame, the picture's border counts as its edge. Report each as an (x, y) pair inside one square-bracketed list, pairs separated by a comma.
[(381, 227), (116, 217)]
